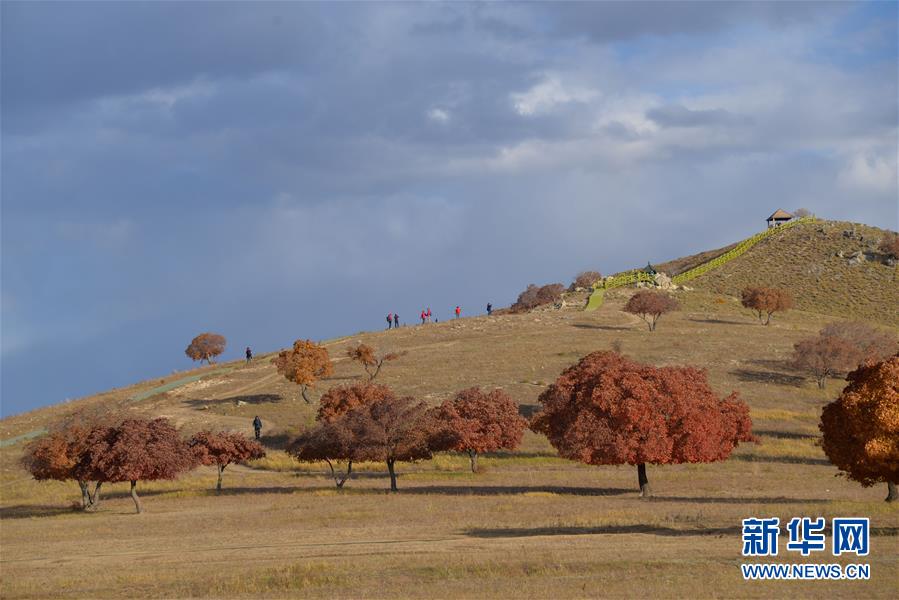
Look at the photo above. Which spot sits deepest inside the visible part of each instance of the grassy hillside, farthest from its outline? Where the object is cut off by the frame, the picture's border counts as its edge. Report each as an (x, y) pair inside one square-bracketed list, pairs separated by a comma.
[(814, 262), (532, 524)]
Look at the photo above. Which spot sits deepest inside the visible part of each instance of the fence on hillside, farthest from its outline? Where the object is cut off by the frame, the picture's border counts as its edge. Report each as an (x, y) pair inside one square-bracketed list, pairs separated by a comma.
[(637, 275)]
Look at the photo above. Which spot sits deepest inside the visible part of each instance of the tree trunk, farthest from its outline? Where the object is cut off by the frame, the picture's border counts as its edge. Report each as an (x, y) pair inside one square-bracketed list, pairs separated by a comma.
[(218, 485), (85, 495), (95, 500), (349, 470), (643, 481), (768, 320), (822, 381), (390, 463), (305, 397), (134, 497), (892, 492), (473, 457)]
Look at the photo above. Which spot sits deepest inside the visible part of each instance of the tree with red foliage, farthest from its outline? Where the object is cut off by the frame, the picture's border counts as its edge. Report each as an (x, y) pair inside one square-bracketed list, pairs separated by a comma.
[(861, 428), (138, 450), (206, 346), (476, 422), (650, 306), (222, 449), (536, 295), (585, 280), (840, 348), (63, 455), (608, 410), (766, 301), (370, 360), (389, 429), (329, 441), (304, 364)]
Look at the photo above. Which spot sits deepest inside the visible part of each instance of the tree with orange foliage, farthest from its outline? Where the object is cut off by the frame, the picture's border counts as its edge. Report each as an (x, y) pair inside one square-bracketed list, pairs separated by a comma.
[(341, 399), (766, 301), (138, 450), (650, 306), (608, 410), (861, 428), (327, 442), (370, 360), (206, 346), (476, 422), (222, 449), (304, 364), (63, 455)]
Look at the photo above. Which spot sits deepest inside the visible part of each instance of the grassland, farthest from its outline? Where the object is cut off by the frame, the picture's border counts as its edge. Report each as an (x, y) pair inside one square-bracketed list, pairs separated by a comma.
[(532, 524)]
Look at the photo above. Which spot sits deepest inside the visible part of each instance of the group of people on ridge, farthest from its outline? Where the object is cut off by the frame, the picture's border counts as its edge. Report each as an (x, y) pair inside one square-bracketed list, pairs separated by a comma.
[(393, 320)]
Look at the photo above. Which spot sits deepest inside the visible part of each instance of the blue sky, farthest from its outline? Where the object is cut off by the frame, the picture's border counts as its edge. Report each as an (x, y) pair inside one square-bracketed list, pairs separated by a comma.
[(292, 170)]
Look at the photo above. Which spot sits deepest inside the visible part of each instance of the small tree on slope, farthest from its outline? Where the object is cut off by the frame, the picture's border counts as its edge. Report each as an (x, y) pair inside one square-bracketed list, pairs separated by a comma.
[(206, 346), (766, 301), (222, 449), (650, 306), (476, 422), (861, 428), (370, 360), (608, 410), (304, 364), (840, 348)]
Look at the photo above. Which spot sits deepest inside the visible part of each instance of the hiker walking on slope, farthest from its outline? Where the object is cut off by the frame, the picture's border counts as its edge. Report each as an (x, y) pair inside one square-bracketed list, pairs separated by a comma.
[(458, 312), (389, 320), (249, 355), (396, 321), (257, 426)]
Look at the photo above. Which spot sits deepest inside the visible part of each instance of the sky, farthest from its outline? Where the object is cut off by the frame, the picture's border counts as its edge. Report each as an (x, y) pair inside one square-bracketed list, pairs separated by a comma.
[(298, 170)]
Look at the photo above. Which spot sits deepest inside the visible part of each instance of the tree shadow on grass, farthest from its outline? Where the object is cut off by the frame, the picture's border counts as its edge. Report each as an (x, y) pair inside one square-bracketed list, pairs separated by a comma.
[(787, 435), (603, 327), (528, 410), (24, 511), (250, 399), (783, 460), (601, 530), (721, 321), (738, 500), (275, 441), (500, 490), (753, 376)]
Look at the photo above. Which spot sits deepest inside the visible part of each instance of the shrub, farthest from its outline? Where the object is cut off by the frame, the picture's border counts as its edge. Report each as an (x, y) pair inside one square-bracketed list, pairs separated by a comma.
[(370, 360), (890, 245), (608, 410), (535, 296), (840, 348), (585, 279)]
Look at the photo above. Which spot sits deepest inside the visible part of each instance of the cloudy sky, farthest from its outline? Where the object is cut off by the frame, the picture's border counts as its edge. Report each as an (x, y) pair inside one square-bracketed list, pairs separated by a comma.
[(286, 170)]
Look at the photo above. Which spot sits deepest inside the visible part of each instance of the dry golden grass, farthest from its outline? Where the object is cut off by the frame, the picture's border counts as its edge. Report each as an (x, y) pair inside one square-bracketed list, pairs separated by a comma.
[(530, 525)]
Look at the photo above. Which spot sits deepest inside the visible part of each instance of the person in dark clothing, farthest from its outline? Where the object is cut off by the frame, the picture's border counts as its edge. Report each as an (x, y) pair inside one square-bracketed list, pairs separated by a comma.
[(249, 355), (389, 320), (489, 309), (257, 426), (396, 321)]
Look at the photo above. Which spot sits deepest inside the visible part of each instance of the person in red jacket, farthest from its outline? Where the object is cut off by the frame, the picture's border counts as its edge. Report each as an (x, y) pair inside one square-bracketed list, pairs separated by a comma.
[(458, 312), (389, 320), (428, 314), (422, 317)]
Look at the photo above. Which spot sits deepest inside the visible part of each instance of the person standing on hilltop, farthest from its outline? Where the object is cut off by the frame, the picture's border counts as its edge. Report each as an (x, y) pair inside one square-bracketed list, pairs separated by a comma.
[(458, 312), (389, 320), (249, 355), (396, 321), (428, 314), (489, 309), (422, 317), (257, 426)]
